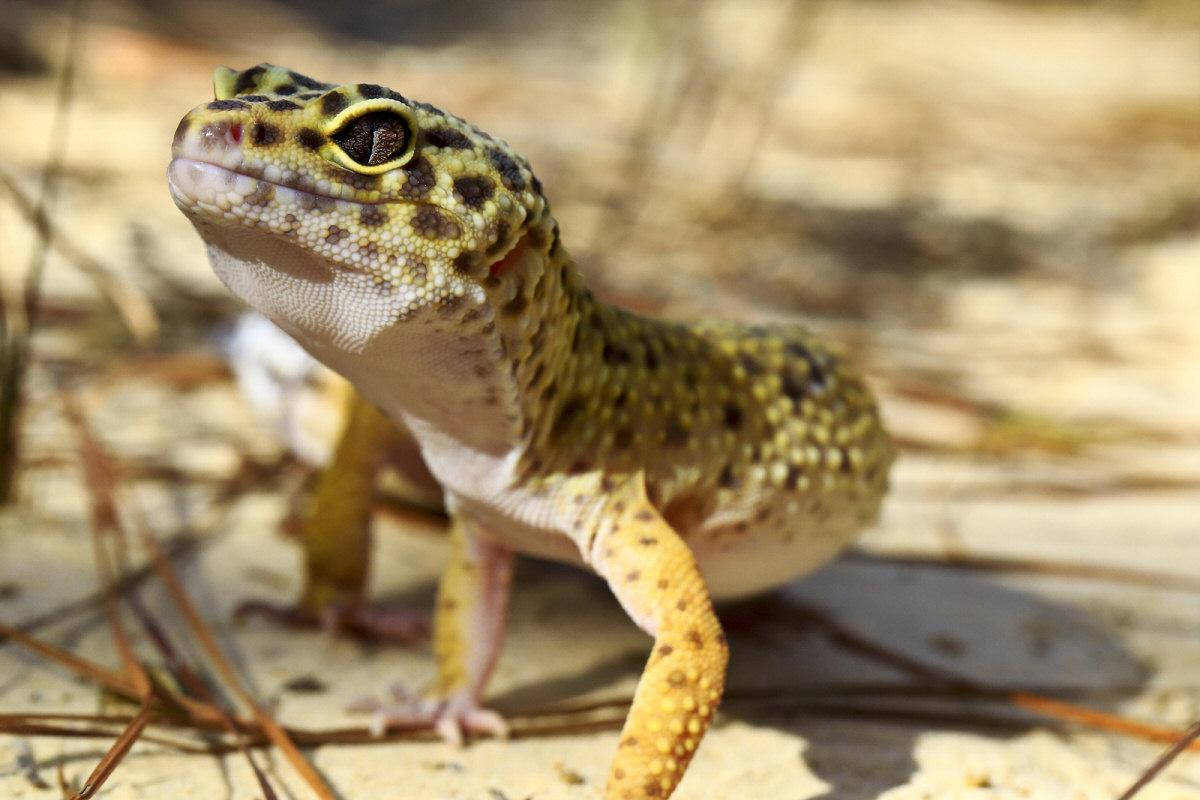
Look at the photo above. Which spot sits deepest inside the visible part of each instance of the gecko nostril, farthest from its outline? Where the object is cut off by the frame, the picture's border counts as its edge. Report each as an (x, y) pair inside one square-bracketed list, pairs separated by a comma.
[(219, 135)]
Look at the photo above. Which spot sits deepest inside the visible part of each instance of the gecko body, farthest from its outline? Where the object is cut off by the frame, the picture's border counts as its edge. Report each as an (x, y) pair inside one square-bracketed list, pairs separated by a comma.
[(417, 256)]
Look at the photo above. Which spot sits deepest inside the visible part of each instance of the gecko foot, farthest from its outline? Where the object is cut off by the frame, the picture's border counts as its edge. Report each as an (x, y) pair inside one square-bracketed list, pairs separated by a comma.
[(380, 623), (450, 717)]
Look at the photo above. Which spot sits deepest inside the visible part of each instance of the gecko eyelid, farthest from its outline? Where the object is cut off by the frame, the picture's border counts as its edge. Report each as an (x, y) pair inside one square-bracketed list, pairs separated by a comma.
[(374, 138)]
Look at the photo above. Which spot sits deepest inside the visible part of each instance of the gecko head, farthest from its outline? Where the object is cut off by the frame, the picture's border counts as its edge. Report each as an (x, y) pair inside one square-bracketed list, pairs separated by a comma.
[(342, 209)]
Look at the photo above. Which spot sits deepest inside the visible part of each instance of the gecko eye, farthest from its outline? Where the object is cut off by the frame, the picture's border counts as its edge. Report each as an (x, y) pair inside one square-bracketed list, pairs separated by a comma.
[(374, 138)]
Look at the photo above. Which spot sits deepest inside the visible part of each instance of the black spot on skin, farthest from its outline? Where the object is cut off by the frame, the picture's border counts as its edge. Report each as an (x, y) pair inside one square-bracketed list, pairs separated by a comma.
[(817, 379), (283, 105), (419, 178), (433, 224), (464, 263), (359, 181), (333, 102), (285, 88), (305, 81), (515, 306), (431, 108), (538, 339), (537, 237), (510, 172), (334, 234), (474, 190), (620, 400), (793, 387), (370, 90), (794, 474), (181, 130), (675, 433), (502, 230), (727, 479), (264, 134), (622, 439), (535, 184), (248, 79), (798, 350), (254, 98), (447, 137), (733, 416), (568, 412), (447, 307), (751, 364), (614, 354), (262, 195), (226, 105), (307, 137), (538, 374), (372, 216)]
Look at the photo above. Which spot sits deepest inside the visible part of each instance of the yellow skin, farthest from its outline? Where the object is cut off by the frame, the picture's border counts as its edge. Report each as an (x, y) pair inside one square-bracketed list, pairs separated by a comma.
[(417, 256)]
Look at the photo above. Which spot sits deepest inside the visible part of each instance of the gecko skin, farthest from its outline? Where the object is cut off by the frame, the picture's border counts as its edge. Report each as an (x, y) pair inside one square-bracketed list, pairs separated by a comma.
[(417, 256)]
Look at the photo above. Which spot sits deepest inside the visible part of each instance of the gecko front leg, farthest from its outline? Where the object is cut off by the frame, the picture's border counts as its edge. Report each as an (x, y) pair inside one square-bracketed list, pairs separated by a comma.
[(469, 622), (653, 574), (335, 533)]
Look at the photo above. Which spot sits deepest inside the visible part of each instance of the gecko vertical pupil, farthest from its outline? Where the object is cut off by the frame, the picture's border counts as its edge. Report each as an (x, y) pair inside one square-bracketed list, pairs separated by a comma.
[(373, 138)]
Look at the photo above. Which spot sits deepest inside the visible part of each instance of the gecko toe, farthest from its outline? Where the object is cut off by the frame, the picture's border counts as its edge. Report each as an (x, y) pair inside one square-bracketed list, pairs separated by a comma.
[(452, 719)]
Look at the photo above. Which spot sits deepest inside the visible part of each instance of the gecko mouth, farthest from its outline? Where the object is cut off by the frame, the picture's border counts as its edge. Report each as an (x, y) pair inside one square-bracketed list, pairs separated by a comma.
[(225, 194), (223, 199), (205, 185)]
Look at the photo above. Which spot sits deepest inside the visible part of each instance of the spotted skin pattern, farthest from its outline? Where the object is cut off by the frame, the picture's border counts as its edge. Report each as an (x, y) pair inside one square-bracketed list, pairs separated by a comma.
[(417, 255)]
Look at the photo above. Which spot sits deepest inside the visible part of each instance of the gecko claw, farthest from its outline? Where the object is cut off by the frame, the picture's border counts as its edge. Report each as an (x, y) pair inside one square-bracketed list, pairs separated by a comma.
[(450, 718), (397, 625)]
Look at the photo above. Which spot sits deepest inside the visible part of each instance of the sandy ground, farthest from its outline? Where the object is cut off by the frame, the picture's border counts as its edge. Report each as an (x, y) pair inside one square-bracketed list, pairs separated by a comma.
[(993, 205)]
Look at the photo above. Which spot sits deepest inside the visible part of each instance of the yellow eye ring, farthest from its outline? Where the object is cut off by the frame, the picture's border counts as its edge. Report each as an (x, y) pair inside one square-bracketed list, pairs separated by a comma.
[(371, 137)]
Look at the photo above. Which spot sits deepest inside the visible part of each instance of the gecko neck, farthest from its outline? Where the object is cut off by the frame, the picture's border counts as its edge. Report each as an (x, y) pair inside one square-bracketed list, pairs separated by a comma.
[(471, 377)]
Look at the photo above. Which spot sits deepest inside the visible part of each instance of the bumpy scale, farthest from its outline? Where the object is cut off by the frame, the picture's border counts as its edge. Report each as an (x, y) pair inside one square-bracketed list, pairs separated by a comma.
[(416, 255)]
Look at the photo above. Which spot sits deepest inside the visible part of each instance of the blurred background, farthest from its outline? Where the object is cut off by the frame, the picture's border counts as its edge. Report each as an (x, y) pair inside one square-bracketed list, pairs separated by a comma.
[(994, 206)]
